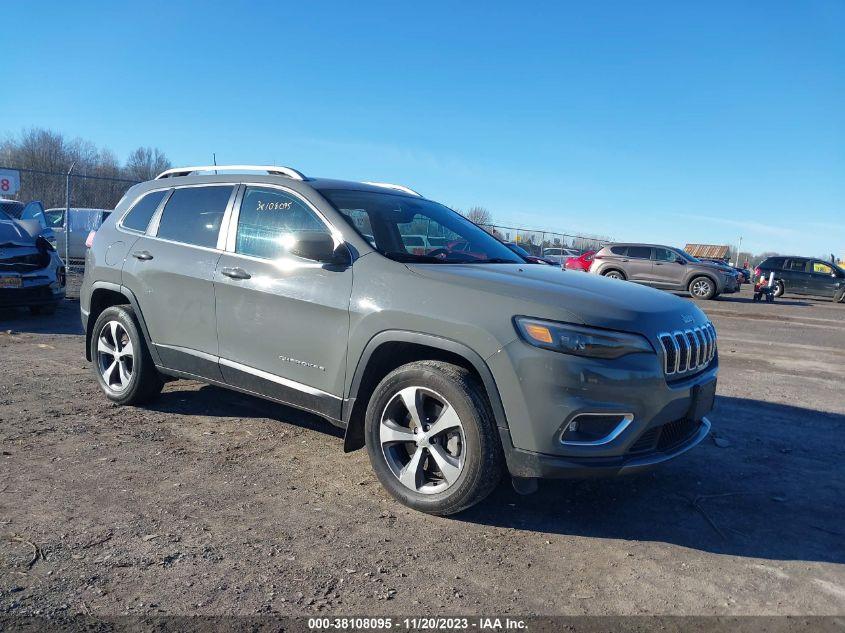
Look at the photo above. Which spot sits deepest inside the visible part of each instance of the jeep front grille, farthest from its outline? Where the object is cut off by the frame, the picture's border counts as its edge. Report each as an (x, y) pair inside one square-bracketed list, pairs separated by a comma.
[(688, 351)]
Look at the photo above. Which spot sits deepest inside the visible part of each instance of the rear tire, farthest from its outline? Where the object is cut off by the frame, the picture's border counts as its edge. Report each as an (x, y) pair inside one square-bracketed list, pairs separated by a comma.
[(445, 456), (779, 289), (702, 288), (121, 361), (614, 274)]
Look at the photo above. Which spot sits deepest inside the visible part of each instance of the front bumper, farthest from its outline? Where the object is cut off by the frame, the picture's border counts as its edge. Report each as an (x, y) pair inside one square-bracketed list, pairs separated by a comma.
[(543, 391), (32, 294), (527, 464)]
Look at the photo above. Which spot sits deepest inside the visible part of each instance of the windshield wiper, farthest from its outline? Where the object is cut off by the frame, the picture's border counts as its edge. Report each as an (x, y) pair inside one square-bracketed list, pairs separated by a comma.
[(400, 256)]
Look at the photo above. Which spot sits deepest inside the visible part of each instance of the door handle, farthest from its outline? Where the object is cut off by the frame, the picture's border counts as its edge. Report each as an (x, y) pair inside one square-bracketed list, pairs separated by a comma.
[(144, 256), (235, 273)]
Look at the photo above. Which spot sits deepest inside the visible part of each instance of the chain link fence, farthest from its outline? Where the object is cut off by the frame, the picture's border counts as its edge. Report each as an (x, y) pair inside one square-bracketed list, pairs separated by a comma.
[(536, 241), (89, 197)]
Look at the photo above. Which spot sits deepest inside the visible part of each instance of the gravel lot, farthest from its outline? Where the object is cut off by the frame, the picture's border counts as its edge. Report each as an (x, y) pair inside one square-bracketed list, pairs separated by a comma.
[(210, 502)]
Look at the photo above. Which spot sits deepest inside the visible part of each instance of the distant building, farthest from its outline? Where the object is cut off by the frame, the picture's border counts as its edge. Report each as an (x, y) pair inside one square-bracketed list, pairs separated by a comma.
[(709, 251)]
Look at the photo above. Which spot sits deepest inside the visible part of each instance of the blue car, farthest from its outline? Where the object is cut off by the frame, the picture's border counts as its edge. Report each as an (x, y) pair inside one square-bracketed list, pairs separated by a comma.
[(31, 272)]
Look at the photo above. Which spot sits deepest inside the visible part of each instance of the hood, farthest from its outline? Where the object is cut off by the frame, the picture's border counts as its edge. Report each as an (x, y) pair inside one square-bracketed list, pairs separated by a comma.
[(11, 234), (715, 266), (549, 292)]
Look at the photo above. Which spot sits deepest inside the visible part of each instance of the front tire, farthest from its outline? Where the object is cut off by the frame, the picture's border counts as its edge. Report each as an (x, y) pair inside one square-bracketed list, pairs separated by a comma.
[(702, 288), (121, 360), (432, 439)]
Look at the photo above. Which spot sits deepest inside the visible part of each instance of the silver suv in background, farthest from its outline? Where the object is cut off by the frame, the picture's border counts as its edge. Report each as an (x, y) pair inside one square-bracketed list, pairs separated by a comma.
[(449, 361), (666, 268), (71, 236)]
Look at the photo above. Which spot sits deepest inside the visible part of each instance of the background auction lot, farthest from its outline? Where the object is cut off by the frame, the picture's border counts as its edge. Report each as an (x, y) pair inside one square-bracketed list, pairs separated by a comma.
[(211, 502)]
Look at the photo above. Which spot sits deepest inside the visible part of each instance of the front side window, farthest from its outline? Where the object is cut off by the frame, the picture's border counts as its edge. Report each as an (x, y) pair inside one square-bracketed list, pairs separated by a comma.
[(398, 223), (140, 215), (271, 221), (55, 218), (821, 268), (193, 215), (664, 255), (639, 252)]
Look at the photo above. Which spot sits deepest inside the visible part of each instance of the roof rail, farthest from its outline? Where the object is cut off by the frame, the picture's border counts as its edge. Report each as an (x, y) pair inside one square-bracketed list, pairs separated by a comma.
[(388, 185), (270, 169)]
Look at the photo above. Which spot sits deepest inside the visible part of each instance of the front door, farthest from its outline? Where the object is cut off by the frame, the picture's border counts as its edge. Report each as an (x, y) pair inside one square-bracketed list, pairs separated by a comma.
[(171, 269), (667, 271), (822, 280), (282, 319)]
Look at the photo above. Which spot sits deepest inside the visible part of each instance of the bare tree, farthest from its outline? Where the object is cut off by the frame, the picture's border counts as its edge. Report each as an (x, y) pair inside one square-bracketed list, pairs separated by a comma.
[(49, 155), (478, 215), (145, 163)]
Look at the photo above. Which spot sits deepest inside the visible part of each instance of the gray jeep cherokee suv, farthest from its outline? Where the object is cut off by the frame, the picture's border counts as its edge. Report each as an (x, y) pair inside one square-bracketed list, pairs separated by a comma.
[(666, 268), (446, 362)]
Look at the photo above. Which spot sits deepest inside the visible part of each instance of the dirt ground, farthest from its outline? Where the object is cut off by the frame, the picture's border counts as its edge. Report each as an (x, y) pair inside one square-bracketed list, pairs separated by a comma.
[(210, 502)]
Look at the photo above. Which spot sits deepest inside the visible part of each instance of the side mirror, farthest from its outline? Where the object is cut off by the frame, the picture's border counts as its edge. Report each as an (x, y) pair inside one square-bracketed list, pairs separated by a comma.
[(319, 247)]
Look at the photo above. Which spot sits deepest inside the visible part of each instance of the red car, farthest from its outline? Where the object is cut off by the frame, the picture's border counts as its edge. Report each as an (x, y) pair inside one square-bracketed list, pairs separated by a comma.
[(581, 263)]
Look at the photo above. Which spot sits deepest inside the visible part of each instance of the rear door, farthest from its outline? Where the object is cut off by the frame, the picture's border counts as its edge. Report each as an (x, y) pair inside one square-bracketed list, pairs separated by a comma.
[(282, 319), (639, 265), (171, 269), (795, 276)]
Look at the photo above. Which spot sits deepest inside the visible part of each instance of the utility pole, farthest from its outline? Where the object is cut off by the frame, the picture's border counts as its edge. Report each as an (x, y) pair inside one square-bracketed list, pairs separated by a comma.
[(67, 210)]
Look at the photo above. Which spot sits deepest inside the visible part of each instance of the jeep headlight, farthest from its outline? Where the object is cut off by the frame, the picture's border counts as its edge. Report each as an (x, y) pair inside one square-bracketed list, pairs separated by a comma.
[(579, 340)]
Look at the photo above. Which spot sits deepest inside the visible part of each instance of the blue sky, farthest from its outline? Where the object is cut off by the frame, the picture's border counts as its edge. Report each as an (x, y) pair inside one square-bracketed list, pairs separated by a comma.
[(659, 121)]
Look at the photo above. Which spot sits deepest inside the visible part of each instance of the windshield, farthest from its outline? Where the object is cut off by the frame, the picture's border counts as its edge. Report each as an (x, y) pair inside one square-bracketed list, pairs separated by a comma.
[(417, 230), (9, 232), (12, 208)]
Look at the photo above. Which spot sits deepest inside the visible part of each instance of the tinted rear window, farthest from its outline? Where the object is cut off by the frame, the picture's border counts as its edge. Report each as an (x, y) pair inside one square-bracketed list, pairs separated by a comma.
[(639, 252), (193, 215), (140, 215), (773, 262), (619, 250)]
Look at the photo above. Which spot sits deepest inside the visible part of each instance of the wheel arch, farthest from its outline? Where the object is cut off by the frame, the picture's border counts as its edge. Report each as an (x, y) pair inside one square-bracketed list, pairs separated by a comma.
[(393, 348), (696, 274), (105, 295), (612, 268)]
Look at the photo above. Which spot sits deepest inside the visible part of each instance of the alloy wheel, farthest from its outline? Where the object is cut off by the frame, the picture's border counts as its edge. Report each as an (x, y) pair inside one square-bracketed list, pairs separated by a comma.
[(613, 275), (422, 439), (115, 355), (701, 288)]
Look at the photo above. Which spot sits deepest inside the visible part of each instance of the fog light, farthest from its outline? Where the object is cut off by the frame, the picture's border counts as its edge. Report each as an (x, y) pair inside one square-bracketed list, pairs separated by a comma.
[(595, 429)]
